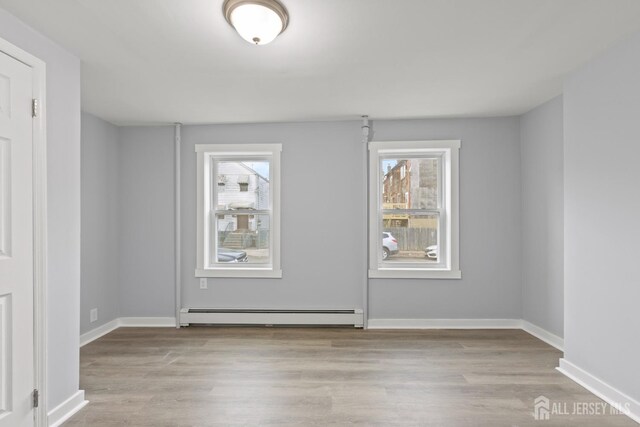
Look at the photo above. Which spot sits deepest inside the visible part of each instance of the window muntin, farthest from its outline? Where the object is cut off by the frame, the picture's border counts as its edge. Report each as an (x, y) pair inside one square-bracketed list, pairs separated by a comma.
[(238, 210), (413, 203)]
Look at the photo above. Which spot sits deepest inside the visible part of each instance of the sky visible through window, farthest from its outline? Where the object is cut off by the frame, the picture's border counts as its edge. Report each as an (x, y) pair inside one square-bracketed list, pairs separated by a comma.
[(261, 167), (388, 163)]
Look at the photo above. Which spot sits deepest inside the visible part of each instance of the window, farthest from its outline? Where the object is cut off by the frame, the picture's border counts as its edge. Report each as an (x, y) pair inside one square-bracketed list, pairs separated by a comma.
[(414, 206), (238, 219)]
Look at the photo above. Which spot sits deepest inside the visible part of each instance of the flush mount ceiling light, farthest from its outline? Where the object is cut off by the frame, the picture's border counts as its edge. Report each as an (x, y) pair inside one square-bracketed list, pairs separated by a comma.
[(257, 21)]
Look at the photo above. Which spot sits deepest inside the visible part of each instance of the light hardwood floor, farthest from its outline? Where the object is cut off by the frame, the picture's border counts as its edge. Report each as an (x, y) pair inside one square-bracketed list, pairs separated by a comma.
[(206, 376)]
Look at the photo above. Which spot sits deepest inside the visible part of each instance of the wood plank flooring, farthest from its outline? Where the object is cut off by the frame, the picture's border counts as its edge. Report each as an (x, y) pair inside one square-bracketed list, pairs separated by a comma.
[(208, 376)]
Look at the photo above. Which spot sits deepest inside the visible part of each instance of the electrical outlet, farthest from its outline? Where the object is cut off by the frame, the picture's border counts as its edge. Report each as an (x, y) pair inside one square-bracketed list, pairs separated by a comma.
[(204, 284), (93, 315)]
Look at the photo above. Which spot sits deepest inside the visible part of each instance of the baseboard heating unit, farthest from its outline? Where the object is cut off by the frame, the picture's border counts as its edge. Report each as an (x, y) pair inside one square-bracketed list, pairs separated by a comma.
[(215, 316)]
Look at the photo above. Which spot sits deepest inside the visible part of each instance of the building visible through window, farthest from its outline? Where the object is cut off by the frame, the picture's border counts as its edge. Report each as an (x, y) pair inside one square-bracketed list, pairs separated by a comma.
[(414, 205), (239, 222)]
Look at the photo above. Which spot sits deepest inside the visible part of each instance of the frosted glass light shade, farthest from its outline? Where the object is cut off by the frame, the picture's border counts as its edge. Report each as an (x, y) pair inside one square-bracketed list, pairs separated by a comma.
[(257, 21)]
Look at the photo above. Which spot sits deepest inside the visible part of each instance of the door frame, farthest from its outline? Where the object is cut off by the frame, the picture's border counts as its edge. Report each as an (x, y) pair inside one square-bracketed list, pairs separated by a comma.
[(39, 136)]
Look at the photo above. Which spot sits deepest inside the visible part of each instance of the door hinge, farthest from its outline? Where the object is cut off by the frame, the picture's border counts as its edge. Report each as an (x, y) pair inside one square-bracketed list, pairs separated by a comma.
[(35, 108), (36, 398)]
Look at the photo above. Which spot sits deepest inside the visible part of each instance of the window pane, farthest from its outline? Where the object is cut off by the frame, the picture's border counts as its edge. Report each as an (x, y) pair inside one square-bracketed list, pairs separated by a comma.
[(410, 183), (242, 185), (243, 239), (410, 238)]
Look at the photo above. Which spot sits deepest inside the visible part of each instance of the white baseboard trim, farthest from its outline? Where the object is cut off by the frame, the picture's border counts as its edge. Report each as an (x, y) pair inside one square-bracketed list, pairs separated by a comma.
[(127, 322), (604, 391), (543, 334), (444, 324), (536, 331), (66, 409), (96, 333), (528, 327)]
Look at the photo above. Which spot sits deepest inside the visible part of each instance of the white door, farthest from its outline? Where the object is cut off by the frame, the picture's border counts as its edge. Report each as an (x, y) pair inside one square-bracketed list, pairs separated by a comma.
[(16, 244)]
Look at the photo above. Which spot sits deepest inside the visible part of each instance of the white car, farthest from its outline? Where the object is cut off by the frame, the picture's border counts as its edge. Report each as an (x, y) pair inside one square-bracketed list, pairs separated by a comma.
[(432, 252), (389, 245)]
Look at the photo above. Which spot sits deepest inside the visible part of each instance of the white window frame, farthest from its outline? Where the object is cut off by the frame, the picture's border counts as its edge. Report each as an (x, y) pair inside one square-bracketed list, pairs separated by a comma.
[(208, 153), (448, 150)]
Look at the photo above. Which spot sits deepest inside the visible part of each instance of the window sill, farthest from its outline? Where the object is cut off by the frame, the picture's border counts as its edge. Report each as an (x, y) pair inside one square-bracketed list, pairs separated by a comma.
[(413, 273), (240, 272)]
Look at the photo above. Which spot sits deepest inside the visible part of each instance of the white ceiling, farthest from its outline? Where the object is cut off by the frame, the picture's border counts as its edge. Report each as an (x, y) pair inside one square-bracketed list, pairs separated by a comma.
[(165, 61)]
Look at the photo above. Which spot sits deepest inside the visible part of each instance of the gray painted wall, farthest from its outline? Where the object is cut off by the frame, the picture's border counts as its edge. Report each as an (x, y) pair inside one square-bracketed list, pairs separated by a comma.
[(100, 200), (602, 207), (541, 151), (63, 174), (490, 239), (322, 232), (146, 254)]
